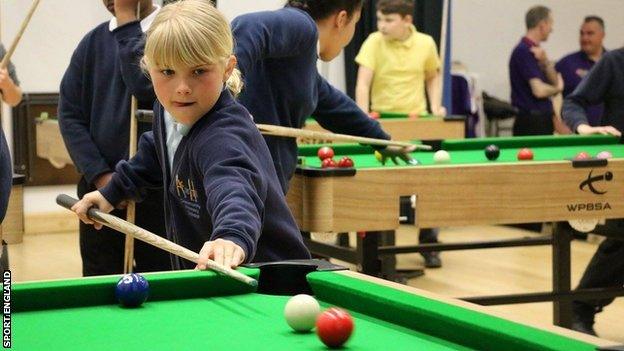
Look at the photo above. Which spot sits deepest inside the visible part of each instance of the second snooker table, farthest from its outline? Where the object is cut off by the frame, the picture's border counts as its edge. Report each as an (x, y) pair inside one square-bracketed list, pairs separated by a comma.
[(199, 310), (470, 190)]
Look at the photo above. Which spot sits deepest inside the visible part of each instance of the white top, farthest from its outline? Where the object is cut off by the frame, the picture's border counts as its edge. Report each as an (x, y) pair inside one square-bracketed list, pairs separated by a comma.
[(174, 133), (145, 23)]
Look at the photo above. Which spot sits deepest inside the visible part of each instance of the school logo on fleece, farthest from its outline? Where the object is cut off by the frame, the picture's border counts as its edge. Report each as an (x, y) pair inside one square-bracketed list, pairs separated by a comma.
[(188, 196)]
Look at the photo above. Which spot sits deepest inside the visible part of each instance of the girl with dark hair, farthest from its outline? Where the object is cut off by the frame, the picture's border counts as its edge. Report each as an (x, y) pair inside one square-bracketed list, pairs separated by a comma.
[(319, 9), (277, 53)]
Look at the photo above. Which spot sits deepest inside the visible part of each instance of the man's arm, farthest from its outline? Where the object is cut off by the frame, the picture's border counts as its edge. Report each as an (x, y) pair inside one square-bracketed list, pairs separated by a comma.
[(560, 126), (529, 67), (551, 73), (547, 66), (542, 90), (362, 88), (433, 80), (592, 90)]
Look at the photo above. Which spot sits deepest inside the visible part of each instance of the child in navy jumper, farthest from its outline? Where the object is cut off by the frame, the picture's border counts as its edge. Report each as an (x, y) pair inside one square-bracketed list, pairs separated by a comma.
[(10, 93), (277, 53), (222, 196), (94, 117)]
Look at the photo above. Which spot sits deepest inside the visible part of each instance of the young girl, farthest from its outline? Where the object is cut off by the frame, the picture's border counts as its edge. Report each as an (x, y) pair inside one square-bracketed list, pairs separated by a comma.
[(222, 197), (277, 53)]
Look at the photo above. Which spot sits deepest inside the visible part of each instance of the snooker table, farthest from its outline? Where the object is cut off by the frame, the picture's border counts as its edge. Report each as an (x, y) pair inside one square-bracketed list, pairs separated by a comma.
[(195, 310), (425, 127), (470, 190)]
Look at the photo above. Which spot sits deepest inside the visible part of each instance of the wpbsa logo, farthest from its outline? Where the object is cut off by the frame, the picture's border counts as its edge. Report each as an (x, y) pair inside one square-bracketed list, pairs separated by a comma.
[(594, 184)]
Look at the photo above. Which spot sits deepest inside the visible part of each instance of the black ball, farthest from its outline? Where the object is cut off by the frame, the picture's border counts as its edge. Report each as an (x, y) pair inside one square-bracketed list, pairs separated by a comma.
[(492, 152)]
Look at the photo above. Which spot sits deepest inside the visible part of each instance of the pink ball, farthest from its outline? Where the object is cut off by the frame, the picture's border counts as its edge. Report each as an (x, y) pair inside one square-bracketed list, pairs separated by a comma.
[(605, 155)]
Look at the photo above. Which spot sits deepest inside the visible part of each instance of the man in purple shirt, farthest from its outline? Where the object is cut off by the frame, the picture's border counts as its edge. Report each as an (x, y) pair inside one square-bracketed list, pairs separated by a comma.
[(575, 66), (533, 77)]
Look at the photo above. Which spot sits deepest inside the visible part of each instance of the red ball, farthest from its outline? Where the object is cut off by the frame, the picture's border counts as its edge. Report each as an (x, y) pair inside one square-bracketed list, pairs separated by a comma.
[(525, 154), (334, 327), (582, 155), (328, 163), (325, 152), (374, 115), (345, 162)]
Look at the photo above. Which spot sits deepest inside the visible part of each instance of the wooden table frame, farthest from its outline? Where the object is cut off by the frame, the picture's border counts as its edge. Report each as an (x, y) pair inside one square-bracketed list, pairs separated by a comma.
[(346, 200), (429, 128), (12, 228)]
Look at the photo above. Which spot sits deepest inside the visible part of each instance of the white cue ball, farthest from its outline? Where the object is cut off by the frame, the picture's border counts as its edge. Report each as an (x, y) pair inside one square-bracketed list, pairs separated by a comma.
[(301, 312), (441, 156)]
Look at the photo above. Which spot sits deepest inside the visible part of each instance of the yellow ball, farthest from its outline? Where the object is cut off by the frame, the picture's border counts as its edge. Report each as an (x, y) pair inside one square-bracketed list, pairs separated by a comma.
[(378, 156)]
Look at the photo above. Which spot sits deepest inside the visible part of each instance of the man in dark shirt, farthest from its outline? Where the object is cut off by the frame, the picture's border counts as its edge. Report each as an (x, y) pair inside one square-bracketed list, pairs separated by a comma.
[(604, 83), (575, 66), (533, 77)]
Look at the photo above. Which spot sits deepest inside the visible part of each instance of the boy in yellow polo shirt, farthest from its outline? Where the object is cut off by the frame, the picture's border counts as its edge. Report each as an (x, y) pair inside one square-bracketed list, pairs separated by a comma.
[(397, 63)]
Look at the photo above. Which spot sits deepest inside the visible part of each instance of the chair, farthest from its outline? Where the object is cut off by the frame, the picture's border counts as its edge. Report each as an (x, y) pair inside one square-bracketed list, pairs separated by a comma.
[(497, 111)]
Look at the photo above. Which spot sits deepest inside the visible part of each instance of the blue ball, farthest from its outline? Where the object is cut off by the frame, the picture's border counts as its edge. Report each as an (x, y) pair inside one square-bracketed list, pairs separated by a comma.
[(132, 290)]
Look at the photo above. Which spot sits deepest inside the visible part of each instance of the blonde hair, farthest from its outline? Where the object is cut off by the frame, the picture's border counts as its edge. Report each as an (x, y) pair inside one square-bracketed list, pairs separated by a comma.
[(191, 33)]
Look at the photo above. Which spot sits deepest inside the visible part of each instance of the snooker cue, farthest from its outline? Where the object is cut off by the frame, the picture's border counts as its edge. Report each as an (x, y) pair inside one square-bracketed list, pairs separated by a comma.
[(137, 232), (132, 148), (131, 209), (268, 129), (18, 36)]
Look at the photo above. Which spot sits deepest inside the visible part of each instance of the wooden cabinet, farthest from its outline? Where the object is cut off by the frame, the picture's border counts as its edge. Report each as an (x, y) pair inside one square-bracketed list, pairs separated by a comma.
[(38, 170)]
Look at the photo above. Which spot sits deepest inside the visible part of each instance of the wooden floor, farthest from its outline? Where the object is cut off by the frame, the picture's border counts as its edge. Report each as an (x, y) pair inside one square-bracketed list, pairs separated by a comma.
[(465, 273)]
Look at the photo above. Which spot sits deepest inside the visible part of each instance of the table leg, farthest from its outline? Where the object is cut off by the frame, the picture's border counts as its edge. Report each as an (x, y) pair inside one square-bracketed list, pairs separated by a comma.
[(368, 254), (562, 309)]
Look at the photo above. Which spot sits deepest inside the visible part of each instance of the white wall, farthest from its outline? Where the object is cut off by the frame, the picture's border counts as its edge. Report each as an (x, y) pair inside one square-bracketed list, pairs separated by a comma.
[(52, 35), (484, 33), (234, 8), (45, 48)]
